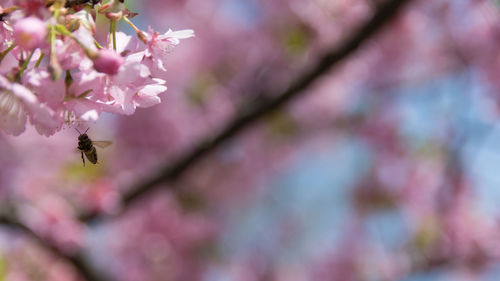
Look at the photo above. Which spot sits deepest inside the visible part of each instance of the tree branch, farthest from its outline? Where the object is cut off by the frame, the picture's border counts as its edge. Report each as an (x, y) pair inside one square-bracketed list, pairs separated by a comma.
[(77, 260), (250, 114)]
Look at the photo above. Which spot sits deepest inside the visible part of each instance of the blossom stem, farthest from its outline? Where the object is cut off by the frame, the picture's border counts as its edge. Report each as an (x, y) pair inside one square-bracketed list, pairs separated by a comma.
[(112, 30), (54, 67), (9, 10), (98, 45), (39, 60), (131, 24), (25, 64), (52, 41), (4, 53), (62, 29), (139, 32), (57, 11)]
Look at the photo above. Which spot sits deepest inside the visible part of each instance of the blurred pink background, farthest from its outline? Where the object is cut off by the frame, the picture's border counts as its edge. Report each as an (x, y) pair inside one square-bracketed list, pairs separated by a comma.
[(384, 169)]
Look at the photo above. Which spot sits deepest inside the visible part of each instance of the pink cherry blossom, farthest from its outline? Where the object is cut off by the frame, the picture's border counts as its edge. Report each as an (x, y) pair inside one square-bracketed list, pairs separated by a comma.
[(159, 46), (134, 87), (70, 76), (108, 61), (51, 92), (17, 103), (13, 114), (29, 33), (70, 54), (5, 35)]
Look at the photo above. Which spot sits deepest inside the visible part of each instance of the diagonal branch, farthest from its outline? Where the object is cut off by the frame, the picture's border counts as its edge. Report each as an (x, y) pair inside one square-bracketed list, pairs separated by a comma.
[(82, 266), (249, 114)]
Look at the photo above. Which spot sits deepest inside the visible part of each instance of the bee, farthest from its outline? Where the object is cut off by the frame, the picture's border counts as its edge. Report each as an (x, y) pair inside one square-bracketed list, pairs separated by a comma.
[(86, 146)]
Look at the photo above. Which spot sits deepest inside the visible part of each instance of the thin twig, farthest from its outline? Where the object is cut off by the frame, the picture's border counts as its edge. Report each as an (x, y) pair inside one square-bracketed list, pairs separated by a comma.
[(77, 260), (249, 114)]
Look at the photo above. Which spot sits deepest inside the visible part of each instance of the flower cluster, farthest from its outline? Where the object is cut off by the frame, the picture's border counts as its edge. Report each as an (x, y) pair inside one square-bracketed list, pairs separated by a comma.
[(53, 70)]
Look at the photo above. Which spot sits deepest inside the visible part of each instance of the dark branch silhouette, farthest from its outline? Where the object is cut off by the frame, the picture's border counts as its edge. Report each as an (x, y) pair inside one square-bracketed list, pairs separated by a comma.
[(77, 260), (249, 114)]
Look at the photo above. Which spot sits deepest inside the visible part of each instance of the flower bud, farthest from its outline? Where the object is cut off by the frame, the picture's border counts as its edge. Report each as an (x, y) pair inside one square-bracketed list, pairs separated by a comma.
[(29, 33), (108, 61), (115, 16)]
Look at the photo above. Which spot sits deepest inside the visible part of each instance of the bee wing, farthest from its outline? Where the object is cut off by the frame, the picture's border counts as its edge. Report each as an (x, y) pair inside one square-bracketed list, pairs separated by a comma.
[(102, 144)]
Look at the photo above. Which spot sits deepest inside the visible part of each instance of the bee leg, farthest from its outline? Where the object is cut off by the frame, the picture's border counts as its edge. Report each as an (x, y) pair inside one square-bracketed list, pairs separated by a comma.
[(83, 159)]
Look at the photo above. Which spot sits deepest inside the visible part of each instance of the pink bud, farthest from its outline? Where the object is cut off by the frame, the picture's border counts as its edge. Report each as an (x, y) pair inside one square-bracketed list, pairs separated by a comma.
[(29, 33), (108, 62)]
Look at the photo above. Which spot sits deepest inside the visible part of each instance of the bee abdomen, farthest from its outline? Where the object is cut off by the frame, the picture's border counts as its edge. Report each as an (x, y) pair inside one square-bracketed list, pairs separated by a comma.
[(91, 155)]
